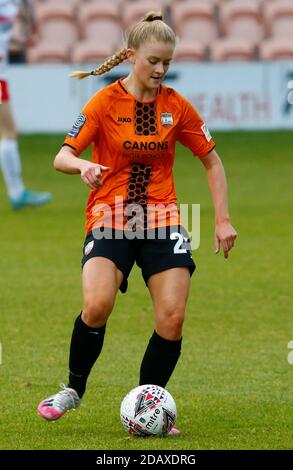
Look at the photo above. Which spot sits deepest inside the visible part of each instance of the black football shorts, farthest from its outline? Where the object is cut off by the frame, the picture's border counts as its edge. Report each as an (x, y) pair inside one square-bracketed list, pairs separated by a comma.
[(160, 249)]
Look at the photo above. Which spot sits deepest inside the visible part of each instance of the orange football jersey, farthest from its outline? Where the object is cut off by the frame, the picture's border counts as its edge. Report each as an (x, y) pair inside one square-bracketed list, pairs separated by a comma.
[(137, 141)]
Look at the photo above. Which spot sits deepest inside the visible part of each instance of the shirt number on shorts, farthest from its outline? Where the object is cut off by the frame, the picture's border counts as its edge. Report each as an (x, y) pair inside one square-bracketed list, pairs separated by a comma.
[(178, 246)]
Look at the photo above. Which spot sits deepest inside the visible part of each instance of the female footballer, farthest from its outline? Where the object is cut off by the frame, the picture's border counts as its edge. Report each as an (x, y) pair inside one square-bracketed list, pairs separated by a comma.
[(133, 125)]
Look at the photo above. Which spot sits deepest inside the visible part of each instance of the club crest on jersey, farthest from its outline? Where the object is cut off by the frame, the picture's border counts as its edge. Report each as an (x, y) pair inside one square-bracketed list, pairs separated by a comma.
[(77, 126), (166, 119)]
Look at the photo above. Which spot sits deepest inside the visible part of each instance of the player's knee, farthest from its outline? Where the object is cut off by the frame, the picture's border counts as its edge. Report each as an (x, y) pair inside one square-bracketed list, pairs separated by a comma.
[(96, 312), (176, 324), (174, 313), (171, 322)]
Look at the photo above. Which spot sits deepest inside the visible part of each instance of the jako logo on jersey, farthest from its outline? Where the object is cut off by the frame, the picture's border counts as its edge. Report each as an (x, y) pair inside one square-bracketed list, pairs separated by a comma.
[(77, 126), (145, 145), (166, 119), (124, 119)]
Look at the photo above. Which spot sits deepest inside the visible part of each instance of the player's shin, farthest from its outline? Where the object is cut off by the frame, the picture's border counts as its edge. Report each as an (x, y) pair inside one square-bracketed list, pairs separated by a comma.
[(85, 348), (159, 360)]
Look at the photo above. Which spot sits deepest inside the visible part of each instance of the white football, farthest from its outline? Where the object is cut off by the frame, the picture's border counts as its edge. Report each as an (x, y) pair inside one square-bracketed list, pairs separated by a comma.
[(148, 410)]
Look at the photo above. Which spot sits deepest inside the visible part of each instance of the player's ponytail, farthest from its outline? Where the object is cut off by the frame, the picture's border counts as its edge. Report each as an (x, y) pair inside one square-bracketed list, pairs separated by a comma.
[(116, 59), (151, 26)]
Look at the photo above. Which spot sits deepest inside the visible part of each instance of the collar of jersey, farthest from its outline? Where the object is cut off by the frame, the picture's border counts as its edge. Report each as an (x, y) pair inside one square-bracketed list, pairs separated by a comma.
[(133, 97)]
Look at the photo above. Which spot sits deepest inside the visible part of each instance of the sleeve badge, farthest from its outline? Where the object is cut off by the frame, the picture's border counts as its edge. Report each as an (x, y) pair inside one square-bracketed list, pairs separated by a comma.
[(77, 126)]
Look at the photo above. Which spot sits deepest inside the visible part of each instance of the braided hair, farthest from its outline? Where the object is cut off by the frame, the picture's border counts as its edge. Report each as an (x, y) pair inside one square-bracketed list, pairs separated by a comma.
[(150, 26)]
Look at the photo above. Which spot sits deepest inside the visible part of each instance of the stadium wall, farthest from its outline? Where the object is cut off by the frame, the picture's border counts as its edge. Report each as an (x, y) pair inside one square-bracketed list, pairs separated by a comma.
[(228, 96)]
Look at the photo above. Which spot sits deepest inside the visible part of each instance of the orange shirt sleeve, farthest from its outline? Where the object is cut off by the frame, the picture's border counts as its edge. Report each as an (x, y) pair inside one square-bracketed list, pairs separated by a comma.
[(193, 132), (85, 130)]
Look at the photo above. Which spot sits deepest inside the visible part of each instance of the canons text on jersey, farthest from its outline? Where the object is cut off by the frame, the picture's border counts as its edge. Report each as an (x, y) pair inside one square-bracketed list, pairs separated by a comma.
[(134, 145)]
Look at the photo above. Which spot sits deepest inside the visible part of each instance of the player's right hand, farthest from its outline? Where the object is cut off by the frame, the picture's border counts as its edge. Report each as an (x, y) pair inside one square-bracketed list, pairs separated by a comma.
[(91, 174)]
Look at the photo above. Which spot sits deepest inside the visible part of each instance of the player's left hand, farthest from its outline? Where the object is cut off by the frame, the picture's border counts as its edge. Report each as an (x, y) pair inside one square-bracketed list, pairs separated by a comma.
[(225, 235)]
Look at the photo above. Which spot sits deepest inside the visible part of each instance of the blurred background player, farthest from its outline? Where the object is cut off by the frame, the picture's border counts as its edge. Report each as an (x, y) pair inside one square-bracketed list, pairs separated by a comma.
[(10, 163)]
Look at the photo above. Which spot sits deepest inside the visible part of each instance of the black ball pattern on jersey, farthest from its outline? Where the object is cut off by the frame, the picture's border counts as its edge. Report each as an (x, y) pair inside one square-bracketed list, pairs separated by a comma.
[(140, 175), (145, 118)]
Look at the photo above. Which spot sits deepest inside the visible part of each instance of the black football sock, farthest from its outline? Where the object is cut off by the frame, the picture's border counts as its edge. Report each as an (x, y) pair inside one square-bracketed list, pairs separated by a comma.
[(159, 360), (86, 345)]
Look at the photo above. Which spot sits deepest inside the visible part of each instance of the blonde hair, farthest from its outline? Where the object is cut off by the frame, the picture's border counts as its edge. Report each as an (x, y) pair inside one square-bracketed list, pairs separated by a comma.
[(150, 26)]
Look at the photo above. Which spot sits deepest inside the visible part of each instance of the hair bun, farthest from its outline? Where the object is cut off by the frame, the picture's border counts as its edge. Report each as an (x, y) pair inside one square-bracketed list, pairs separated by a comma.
[(154, 18)]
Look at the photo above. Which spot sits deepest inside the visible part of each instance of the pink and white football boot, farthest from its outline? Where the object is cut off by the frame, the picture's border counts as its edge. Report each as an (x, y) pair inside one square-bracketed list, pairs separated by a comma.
[(54, 407), (174, 432)]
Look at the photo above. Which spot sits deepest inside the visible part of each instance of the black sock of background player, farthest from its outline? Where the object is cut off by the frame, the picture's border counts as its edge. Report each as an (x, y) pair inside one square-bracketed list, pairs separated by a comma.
[(159, 360), (86, 345)]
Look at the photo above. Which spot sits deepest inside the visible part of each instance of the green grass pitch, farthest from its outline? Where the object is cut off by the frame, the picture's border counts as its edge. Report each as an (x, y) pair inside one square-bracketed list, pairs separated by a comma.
[(233, 384)]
